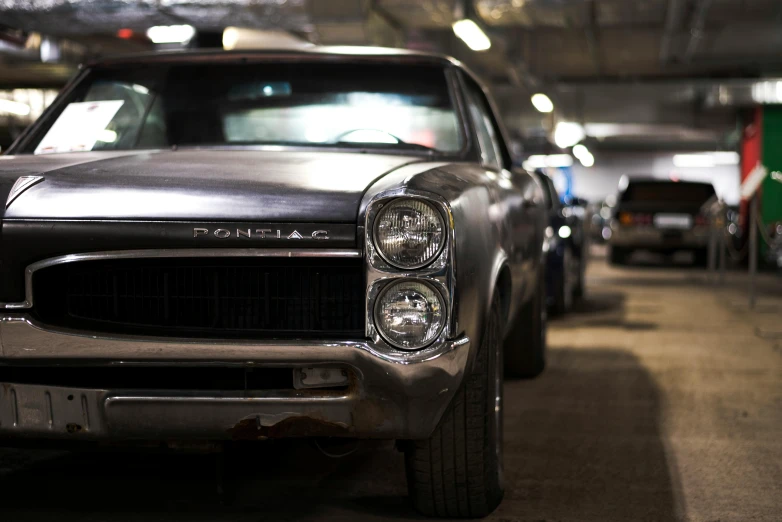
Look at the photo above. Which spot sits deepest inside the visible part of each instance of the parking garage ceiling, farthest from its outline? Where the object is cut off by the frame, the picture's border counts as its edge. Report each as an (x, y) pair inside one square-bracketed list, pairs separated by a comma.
[(657, 72)]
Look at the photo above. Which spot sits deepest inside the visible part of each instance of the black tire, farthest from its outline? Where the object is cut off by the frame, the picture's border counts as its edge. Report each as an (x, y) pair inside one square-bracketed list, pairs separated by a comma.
[(617, 256), (701, 257), (565, 287), (525, 344), (457, 472), (580, 289)]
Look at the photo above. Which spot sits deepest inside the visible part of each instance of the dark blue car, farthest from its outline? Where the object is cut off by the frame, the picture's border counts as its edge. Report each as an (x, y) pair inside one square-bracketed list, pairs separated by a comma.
[(567, 250)]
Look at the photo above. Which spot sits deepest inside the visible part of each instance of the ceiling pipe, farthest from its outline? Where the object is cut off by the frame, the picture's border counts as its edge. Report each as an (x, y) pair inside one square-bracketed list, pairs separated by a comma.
[(696, 28), (591, 36), (673, 18)]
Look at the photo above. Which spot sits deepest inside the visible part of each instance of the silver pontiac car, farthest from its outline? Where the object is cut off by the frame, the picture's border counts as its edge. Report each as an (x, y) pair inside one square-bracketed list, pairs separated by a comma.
[(221, 246)]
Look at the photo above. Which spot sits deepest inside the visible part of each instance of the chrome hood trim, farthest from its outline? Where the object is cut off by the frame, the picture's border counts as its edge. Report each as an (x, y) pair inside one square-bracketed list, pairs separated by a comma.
[(21, 184)]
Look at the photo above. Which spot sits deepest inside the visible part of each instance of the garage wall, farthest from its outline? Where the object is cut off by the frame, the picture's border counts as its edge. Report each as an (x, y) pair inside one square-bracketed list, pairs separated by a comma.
[(597, 182)]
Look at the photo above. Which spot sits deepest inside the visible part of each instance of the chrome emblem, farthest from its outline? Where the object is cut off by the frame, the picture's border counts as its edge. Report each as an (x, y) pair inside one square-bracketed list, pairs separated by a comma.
[(258, 233), (21, 184)]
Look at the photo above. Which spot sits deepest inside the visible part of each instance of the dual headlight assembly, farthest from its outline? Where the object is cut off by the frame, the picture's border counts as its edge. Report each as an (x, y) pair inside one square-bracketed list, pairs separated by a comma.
[(409, 234)]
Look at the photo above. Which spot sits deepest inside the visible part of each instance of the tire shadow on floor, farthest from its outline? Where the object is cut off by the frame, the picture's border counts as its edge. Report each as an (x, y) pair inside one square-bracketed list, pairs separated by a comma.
[(283, 480), (602, 309), (584, 442)]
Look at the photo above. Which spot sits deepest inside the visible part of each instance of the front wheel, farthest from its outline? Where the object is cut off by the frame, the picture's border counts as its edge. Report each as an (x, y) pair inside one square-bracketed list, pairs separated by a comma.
[(701, 257), (617, 256), (457, 472)]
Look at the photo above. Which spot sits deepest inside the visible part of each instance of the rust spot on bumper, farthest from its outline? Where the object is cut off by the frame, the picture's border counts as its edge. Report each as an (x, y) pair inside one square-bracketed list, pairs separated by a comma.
[(297, 426)]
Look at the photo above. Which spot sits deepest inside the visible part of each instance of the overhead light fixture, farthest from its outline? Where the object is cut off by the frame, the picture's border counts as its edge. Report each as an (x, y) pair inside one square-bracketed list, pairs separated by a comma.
[(542, 102), (587, 161), (542, 161), (471, 34), (584, 156), (767, 92), (705, 159), (161, 34), (236, 38), (230, 38), (568, 133), (14, 107)]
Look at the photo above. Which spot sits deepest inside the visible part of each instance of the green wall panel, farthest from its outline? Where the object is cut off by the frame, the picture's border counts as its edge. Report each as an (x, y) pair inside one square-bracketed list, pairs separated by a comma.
[(771, 198)]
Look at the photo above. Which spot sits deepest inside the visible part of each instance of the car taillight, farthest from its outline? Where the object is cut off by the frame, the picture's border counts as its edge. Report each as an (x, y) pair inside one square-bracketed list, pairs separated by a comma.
[(634, 218)]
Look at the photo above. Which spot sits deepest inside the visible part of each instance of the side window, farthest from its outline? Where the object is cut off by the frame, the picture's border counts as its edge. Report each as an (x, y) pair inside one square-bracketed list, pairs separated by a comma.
[(484, 128)]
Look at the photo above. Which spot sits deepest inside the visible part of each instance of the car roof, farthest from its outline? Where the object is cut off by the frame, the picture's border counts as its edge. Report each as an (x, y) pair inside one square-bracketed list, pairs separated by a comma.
[(301, 52)]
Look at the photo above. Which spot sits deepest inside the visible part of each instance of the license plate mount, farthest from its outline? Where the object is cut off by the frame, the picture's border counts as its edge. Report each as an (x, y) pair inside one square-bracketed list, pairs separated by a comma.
[(673, 221)]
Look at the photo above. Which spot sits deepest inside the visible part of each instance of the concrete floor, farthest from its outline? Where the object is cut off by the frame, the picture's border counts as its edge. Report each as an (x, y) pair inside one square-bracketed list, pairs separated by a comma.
[(662, 400)]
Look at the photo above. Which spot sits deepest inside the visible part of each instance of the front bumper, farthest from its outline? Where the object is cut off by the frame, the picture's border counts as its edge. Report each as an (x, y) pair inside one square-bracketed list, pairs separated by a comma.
[(392, 395), (651, 238)]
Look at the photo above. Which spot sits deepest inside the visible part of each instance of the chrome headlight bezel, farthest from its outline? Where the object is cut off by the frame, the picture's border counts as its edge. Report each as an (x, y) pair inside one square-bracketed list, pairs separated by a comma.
[(435, 210), (443, 303), (441, 272)]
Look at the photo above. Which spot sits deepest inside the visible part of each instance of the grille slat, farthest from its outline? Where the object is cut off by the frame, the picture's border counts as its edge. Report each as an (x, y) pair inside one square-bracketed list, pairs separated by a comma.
[(234, 297)]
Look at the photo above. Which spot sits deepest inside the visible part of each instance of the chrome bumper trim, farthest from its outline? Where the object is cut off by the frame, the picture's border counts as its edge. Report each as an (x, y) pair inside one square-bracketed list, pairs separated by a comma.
[(23, 338), (390, 398), (170, 253)]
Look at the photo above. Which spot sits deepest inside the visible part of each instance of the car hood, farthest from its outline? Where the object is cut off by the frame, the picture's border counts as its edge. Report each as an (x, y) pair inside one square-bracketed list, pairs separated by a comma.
[(242, 185)]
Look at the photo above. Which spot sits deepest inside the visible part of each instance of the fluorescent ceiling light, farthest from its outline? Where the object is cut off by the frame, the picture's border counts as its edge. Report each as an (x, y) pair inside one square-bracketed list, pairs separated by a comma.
[(230, 38), (705, 159), (568, 133), (584, 156), (587, 160), (14, 107), (236, 38), (542, 102), (471, 34), (693, 161), (726, 158), (767, 91), (580, 150), (542, 161), (170, 33)]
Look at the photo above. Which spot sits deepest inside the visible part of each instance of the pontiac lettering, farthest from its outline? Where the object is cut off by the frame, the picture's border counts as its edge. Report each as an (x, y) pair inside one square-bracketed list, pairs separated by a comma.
[(259, 233)]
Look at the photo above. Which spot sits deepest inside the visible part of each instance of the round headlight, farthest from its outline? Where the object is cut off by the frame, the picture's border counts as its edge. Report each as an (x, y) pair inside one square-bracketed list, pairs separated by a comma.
[(409, 314), (409, 233)]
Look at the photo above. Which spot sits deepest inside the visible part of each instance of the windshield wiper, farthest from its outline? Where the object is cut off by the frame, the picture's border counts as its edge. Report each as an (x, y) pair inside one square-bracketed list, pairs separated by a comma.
[(373, 144)]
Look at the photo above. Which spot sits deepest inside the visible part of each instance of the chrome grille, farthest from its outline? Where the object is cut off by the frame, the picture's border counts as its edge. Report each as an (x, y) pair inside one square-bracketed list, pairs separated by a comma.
[(230, 297)]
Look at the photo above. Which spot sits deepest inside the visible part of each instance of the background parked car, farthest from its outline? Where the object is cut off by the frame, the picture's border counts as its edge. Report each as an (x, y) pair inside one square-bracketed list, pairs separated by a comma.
[(566, 244), (662, 216)]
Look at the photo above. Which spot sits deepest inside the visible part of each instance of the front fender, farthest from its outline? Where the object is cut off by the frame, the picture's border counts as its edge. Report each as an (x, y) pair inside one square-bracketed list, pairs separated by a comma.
[(481, 234)]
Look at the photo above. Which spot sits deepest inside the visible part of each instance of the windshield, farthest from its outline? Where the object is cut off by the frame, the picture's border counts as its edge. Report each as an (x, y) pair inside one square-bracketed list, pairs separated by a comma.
[(695, 193), (388, 106)]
